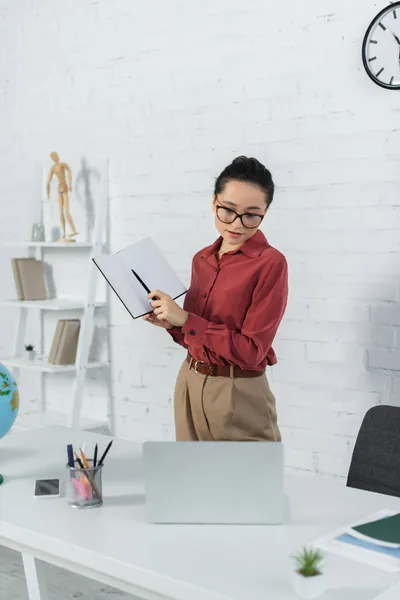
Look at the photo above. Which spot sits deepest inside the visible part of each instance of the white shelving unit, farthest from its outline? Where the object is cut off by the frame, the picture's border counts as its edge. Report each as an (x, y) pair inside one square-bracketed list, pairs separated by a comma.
[(86, 305), (50, 244), (41, 364), (51, 304)]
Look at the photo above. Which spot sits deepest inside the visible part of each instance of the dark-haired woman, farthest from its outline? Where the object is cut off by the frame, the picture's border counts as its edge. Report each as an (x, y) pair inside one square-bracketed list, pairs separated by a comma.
[(232, 310)]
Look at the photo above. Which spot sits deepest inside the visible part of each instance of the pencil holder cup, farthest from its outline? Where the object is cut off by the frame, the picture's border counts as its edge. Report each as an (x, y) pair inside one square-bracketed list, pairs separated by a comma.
[(85, 486)]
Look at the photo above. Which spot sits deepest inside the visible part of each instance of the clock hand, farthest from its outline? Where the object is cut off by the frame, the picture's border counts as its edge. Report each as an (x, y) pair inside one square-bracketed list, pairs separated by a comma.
[(395, 36)]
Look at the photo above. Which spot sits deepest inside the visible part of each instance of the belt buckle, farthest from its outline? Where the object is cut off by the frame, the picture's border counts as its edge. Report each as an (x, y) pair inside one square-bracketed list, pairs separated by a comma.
[(198, 362), (212, 369)]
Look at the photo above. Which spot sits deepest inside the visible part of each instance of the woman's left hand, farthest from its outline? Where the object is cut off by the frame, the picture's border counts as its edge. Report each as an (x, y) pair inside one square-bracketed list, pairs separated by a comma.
[(167, 309)]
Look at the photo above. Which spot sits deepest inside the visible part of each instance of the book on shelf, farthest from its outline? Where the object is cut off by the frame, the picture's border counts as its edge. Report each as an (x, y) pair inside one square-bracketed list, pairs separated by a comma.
[(29, 278), (17, 279), (56, 341), (65, 342)]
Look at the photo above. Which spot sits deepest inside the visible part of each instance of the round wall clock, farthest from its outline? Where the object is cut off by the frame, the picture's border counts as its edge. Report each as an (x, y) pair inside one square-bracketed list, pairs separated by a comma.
[(381, 48)]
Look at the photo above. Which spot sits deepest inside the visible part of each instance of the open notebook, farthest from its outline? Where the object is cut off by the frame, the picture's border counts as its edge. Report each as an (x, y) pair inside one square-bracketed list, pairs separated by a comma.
[(374, 541), (135, 271)]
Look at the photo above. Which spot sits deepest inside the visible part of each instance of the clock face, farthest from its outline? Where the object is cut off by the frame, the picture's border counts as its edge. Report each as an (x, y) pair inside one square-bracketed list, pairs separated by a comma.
[(381, 48)]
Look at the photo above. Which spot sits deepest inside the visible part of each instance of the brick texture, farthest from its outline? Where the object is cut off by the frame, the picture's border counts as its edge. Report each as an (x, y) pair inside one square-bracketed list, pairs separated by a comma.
[(171, 92)]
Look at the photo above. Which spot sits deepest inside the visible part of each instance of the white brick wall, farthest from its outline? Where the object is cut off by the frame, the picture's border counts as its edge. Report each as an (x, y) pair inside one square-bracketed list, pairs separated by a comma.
[(171, 92)]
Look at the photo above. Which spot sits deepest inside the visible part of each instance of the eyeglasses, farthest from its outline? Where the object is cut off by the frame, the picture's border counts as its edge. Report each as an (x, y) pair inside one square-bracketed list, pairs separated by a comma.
[(248, 220)]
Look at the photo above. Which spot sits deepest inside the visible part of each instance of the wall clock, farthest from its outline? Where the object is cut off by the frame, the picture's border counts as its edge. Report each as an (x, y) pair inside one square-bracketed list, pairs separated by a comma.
[(381, 48)]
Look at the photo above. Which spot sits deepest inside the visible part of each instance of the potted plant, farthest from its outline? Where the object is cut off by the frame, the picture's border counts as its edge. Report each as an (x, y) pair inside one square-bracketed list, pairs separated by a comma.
[(30, 351), (308, 579)]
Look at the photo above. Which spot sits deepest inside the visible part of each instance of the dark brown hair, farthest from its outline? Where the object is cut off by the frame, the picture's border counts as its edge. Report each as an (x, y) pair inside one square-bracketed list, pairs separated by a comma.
[(249, 170)]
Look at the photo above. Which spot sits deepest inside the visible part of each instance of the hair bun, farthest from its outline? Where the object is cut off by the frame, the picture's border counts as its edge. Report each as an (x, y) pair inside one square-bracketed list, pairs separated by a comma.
[(240, 159), (246, 162), (249, 170)]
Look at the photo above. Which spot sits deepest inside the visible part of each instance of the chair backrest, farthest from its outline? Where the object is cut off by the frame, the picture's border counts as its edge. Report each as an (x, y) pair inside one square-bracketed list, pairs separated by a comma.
[(375, 464)]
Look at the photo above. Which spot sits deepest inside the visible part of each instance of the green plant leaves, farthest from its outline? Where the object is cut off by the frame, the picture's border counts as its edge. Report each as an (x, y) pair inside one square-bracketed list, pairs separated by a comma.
[(309, 562)]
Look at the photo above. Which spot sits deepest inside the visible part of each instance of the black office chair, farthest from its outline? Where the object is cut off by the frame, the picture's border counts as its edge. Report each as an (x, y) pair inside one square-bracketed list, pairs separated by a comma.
[(375, 464)]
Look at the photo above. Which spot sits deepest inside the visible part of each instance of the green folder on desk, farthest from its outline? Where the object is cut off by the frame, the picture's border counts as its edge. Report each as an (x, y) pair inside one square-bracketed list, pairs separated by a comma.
[(386, 530)]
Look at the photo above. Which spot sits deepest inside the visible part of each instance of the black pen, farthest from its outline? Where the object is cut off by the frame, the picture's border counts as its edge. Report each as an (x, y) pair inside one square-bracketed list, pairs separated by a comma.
[(142, 283), (95, 455), (105, 453)]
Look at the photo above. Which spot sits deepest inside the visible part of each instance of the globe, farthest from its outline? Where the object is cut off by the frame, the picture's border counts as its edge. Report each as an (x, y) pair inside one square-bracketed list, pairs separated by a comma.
[(9, 402)]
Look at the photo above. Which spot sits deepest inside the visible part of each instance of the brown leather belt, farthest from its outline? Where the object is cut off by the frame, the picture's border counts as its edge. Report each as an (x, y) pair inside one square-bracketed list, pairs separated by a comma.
[(219, 370)]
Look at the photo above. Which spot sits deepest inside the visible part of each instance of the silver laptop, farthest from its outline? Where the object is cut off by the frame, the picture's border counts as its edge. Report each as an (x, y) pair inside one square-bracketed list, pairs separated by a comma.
[(214, 482)]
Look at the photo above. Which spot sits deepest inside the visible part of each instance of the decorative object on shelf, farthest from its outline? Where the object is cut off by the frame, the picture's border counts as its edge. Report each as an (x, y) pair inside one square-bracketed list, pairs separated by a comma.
[(308, 580), (29, 278), (37, 232), (30, 350), (62, 172), (381, 48), (65, 342), (86, 303), (9, 402)]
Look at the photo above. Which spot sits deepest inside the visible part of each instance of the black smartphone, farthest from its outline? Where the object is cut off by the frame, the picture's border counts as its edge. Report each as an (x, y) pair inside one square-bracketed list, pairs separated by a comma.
[(47, 488)]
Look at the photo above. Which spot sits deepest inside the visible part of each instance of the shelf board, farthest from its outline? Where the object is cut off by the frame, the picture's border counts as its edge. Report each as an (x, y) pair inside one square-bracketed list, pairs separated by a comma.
[(51, 304), (50, 244), (34, 420), (41, 364)]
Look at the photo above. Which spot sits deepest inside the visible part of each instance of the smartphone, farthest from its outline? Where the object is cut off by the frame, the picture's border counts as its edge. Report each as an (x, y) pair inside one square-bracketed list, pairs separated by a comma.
[(47, 488)]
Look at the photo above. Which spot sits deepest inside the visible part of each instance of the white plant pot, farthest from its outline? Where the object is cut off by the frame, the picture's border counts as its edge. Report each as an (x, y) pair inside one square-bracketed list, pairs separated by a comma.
[(309, 587), (31, 354)]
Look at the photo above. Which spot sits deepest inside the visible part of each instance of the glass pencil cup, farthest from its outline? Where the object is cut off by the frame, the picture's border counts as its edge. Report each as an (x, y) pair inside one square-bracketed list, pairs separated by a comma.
[(85, 486)]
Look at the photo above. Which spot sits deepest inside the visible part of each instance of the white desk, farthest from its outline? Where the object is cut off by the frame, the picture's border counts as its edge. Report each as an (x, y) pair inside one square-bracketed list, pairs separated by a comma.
[(114, 545), (391, 594)]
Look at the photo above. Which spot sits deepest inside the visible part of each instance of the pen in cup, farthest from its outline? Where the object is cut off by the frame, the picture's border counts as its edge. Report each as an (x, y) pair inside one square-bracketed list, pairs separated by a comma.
[(106, 451), (84, 459), (70, 454)]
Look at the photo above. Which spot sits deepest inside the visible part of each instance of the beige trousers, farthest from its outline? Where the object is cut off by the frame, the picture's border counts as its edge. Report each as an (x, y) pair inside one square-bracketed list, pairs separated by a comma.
[(222, 408)]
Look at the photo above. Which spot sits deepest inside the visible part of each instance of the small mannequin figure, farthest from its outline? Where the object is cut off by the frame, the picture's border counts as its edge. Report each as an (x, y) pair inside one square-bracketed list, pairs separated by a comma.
[(60, 170)]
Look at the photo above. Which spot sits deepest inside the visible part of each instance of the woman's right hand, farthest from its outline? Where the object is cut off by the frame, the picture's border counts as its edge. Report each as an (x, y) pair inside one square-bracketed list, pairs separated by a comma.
[(152, 319)]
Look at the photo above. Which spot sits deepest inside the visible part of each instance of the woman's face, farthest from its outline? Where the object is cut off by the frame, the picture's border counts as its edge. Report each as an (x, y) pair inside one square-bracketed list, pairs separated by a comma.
[(243, 198)]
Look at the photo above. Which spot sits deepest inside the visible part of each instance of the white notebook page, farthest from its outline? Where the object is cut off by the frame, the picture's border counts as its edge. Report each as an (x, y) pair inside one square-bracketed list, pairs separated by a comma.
[(150, 265)]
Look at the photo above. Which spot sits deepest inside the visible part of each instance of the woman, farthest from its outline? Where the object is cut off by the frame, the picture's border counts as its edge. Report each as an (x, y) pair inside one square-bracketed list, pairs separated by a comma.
[(232, 310)]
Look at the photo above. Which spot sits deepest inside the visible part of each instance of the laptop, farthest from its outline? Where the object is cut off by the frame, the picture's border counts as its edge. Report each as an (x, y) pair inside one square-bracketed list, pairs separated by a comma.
[(214, 482)]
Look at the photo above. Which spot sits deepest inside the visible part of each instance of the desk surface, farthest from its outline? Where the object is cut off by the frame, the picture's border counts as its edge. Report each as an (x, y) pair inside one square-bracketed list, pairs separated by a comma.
[(113, 544), (392, 594)]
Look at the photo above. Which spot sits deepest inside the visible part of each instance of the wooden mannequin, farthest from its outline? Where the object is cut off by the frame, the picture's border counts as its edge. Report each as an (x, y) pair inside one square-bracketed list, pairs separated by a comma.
[(61, 170)]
